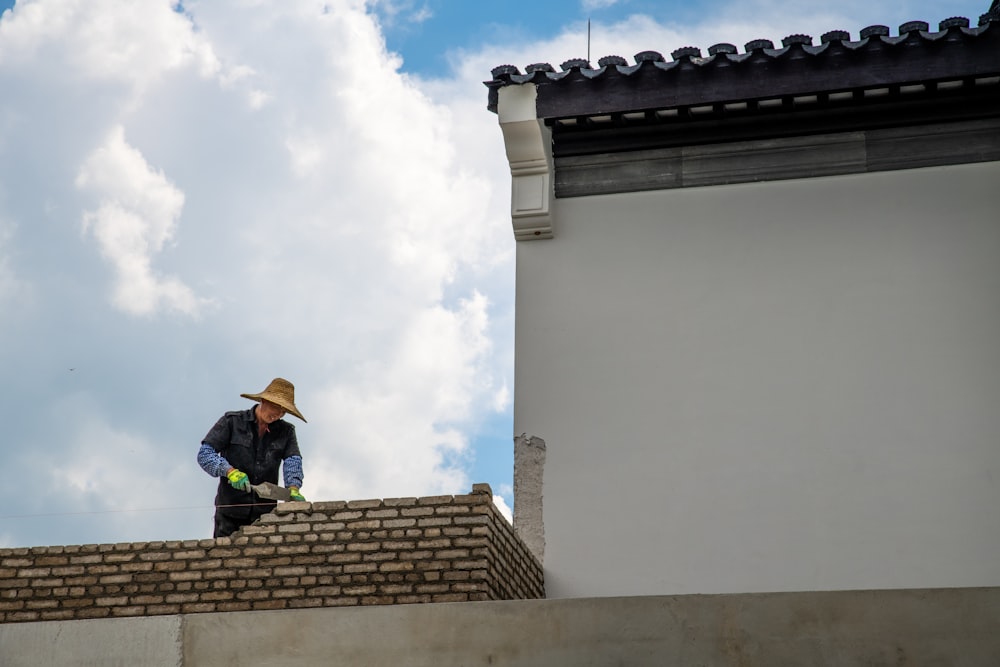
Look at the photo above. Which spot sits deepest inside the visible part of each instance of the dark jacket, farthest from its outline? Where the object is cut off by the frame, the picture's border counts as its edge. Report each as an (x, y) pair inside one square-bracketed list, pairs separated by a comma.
[(234, 436)]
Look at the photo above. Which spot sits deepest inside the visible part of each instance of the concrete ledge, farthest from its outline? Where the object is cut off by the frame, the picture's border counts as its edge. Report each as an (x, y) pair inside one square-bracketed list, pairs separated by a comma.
[(155, 640), (955, 627)]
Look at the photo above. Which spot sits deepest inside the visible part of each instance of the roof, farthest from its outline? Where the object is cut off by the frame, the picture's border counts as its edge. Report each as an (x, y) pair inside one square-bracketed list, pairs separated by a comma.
[(838, 73)]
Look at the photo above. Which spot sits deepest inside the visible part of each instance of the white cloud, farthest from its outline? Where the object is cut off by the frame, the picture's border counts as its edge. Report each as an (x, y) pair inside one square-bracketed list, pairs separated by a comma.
[(591, 5), (504, 508), (12, 288), (136, 217)]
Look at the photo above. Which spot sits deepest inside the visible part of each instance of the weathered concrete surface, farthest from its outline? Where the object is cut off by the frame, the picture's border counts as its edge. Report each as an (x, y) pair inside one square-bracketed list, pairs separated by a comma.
[(155, 640), (953, 627), (529, 477), (927, 627)]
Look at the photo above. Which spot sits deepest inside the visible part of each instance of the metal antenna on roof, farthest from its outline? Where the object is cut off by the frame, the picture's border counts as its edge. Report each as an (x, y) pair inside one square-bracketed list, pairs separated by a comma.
[(588, 40)]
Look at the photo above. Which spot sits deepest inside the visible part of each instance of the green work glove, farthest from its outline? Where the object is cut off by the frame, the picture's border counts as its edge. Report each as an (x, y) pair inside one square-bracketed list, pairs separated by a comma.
[(296, 496), (238, 480)]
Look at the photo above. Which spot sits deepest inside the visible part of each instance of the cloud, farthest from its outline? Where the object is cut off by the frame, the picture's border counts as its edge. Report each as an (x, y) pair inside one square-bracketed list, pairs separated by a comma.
[(591, 5), (136, 217), (504, 508), (395, 12), (12, 288)]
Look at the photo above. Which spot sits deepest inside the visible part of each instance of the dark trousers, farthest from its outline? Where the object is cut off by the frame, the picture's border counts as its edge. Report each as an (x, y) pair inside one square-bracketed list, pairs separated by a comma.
[(226, 525)]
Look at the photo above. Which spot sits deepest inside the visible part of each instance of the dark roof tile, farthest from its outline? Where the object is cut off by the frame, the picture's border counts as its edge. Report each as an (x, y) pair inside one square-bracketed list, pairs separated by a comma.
[(721, 48), (686, 52), (835, 36), (836, 65)]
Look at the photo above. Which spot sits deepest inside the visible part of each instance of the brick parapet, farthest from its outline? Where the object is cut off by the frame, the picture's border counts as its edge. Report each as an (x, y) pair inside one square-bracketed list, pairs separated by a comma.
[(322, 554)]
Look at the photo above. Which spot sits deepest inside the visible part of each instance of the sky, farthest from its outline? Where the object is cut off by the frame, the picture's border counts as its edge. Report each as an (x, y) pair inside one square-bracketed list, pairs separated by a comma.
[(198, 197)]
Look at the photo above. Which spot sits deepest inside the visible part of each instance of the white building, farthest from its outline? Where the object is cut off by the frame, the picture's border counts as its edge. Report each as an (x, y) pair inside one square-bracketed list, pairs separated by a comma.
[(758, 314)]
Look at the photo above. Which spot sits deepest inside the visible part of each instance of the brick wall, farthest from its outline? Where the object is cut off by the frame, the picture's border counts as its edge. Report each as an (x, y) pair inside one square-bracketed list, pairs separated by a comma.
[(322, 554)]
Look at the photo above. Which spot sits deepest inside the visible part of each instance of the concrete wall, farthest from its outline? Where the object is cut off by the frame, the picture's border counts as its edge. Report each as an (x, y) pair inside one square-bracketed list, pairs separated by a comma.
[(925, 627), (768, 387), (325, 554)]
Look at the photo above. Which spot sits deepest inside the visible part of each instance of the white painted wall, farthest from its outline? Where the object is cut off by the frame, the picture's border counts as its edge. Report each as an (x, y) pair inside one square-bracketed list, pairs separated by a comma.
[(768, 387)]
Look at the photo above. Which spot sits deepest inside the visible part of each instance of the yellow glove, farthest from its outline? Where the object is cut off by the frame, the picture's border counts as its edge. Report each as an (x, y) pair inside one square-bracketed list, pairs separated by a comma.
[(238, 480), (296, 496)]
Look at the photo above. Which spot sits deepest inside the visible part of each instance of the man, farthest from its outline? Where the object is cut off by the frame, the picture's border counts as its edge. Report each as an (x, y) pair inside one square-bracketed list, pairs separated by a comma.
[(247, 447)]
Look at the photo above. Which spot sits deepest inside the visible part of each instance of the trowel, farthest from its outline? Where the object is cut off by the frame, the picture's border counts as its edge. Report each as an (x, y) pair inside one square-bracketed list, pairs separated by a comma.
[(271, 491)]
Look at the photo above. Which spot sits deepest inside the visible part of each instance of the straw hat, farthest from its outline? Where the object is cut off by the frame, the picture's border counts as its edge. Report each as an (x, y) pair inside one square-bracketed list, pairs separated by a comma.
[(280, 392)]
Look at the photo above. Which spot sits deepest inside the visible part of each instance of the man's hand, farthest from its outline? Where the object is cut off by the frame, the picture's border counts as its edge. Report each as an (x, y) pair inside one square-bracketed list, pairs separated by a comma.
[(238, 480), (296, 496)]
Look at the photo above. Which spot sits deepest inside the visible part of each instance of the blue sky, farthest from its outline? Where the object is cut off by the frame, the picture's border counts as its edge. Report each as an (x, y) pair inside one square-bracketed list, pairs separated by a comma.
[(195, 202)]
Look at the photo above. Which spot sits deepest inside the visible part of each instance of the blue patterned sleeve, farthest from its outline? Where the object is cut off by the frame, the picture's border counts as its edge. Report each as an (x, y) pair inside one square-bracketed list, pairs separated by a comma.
[(293, 471), (212, 461)]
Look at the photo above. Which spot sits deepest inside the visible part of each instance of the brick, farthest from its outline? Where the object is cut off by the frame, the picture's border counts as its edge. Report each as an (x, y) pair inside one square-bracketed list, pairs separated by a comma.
[(213, 563), (111, 601), (119, 557), (258, 594), (293, 549), (364, 504), (163, 609), (329, 506), (293, 528), (23, 616), (270, 604), (286, 593), (417, 511), (413, 599), (300, 603), (341, 602), (377, 600), (47, 583), (128, 611), (440, 543), (155, 556), (52, 560), (262, 550), (433, 521), (396, 566), (34, 572), (148, 599), (198, 608), (451, 509), (41, 604), (86, 559), (434, 500), (221, 552), (358, 568)]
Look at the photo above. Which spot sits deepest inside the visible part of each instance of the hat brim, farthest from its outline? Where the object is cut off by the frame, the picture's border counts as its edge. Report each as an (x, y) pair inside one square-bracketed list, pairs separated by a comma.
[(277, 400)]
